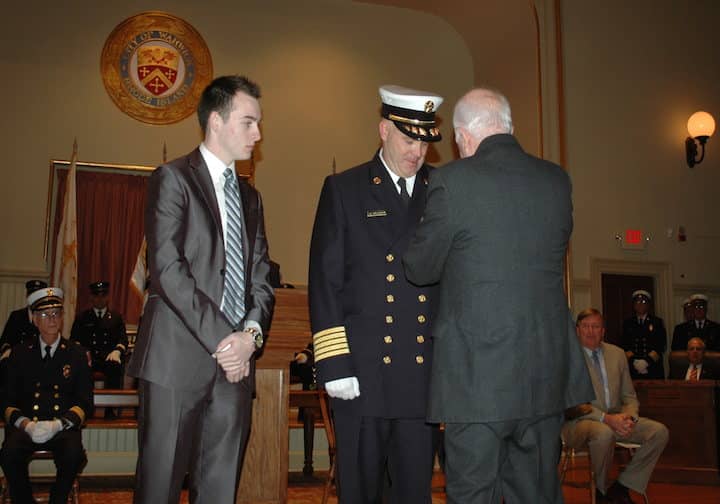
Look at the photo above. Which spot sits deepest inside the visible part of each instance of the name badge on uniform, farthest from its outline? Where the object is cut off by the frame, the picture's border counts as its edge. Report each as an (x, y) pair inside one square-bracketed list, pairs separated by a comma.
[(376, 213)]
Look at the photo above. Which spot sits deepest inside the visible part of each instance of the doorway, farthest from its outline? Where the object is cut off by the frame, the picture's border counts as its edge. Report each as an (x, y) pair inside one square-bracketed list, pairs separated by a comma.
[(617, 301)]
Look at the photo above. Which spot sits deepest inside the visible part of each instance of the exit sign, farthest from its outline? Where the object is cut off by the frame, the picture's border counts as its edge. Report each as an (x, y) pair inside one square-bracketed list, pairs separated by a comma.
[(634, 239)]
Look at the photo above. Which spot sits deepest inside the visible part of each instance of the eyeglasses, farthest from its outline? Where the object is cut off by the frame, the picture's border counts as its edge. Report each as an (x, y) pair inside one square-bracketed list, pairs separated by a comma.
[(50, 314)]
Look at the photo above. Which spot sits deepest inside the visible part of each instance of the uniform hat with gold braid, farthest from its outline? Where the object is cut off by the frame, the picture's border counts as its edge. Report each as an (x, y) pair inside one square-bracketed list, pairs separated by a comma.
[(412, 111), (43, 299)]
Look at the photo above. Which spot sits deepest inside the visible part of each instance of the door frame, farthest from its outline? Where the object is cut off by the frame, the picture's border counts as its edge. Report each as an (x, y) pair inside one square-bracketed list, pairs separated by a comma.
[(660, 271)]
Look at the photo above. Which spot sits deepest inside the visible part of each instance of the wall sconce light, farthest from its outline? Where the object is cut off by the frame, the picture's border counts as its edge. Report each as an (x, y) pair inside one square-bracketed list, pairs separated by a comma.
[(701, 126)]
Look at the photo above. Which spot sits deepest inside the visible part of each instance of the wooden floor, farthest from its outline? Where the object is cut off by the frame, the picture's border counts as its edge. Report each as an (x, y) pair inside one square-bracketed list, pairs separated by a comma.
[(309, 491)]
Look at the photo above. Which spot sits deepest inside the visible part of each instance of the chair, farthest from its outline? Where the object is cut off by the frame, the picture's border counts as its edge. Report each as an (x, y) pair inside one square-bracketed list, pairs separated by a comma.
[(568, 453), (43, 455), (319, 399)]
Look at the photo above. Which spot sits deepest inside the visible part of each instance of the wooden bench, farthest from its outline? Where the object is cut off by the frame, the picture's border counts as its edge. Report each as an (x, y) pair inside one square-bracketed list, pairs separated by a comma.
[(126, 401)]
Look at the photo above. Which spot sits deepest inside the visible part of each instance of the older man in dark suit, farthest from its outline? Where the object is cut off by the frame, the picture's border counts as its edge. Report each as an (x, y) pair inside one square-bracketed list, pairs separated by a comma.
[(209, 302), (506, 360), (370, 325)]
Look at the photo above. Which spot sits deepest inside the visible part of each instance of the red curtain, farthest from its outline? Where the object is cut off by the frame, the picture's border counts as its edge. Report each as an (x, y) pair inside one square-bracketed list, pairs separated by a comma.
[(110, 208)]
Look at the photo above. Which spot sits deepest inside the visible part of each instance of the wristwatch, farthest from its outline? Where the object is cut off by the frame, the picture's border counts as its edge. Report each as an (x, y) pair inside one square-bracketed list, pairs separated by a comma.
[(257, 336)]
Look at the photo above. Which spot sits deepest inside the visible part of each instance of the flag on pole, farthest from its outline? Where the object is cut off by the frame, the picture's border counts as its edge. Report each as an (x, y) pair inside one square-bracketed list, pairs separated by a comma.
[(139, 278), (65, 269)]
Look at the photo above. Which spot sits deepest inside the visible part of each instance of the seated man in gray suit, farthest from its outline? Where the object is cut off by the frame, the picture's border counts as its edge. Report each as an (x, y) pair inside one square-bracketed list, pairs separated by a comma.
[(612, 416)]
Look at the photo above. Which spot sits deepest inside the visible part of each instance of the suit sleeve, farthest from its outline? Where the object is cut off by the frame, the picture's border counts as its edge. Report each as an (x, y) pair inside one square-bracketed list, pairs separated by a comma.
[(630, 404), (82, 394), (325, 286), (425, 258), (262, 293), (172, 276)]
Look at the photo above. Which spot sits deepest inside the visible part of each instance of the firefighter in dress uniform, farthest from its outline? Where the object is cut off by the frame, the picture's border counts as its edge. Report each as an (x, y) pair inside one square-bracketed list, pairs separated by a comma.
[(697, 327), (102, 332), (644, 339), (48, 397), (371, 327)]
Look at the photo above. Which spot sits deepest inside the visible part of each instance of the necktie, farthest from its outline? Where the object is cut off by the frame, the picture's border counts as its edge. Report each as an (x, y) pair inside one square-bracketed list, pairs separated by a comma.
[(598, 370), (404, 196), (234, 294), (47, 355), (694, 373)]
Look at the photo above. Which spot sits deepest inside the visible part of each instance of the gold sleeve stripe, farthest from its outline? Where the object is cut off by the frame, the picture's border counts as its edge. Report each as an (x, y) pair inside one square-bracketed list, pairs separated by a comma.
[(330, 342), (8, 413), (79, 412)]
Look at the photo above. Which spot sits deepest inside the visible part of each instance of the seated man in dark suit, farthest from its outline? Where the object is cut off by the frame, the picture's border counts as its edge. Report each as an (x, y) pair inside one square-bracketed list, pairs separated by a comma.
[(102, 332), (693, 370), (644, 339), (700, 326), (19, 326), (48, 397), (612, 416)]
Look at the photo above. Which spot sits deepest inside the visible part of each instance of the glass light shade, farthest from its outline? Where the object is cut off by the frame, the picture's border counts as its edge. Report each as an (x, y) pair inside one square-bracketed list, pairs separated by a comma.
[(701, 124)]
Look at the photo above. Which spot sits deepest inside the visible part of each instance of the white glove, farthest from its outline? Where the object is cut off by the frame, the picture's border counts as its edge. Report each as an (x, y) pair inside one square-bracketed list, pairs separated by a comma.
[(343, 388), (5, 354), (113, 356), (640, 366), (30, 428), (45, 430)]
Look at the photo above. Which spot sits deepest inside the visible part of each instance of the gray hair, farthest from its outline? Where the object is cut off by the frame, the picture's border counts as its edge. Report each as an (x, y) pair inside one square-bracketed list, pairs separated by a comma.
[(483, 112)]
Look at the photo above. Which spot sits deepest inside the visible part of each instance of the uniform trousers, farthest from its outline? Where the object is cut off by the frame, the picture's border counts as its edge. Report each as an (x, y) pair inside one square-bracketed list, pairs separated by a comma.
[(367, 447), (515, 460), (201, 431), (18, 447), (600, 440)]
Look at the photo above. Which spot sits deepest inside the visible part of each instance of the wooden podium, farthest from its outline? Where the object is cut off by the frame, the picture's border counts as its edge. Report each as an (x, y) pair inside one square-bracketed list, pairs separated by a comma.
[(265, 468), (690, 412)]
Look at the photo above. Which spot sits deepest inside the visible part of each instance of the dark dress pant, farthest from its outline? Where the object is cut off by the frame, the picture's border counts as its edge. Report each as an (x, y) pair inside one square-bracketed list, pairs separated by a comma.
[(198, 431), (515, 460), (369, 449), (18, 447)]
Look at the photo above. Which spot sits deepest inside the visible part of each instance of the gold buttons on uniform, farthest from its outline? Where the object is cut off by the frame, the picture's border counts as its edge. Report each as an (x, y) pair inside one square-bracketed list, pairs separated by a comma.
[(390, 298), (388, 319), (37, 385), (390, 278), (387, 339), (420, 338), (37, 394), (35, 419), (56, 407), (389, 258), (387, 359), (421, 319), (56, 395), (422, 298), (36, 407), (56, 387), (419, 359)]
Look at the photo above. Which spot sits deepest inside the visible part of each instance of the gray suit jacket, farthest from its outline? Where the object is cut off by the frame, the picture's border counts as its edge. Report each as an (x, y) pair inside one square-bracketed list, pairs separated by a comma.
[(494, 235), (182, 323)]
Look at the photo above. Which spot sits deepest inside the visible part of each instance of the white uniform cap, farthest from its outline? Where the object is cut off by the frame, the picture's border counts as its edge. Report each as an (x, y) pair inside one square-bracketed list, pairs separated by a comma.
[(42, 299), (412, 111), (641, 292)]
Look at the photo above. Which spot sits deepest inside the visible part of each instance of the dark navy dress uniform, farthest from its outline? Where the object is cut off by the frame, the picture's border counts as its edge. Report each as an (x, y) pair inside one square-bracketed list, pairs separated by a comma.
[(18, 329), (710, 334), (368, 321), (59, 388), (641, 338), (102, 335)]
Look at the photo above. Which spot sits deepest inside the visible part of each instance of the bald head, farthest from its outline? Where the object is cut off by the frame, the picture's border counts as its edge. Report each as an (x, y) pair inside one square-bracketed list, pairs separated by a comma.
[(696, 350), (480, 113)]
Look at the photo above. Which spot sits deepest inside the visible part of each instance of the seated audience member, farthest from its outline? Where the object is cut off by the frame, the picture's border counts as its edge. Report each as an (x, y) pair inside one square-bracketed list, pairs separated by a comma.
[(302, 367), (693, 370), (48, 397), (644, 339), (700, 326), (688, 310), (612, 416), (102, 332), (19, 326)]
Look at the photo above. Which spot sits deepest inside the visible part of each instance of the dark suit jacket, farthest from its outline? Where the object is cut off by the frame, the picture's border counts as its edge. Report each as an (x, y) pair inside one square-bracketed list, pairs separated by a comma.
[(641, 339), (494, 234), (357, 287), (710, 334), (182, 323), (678, 372)]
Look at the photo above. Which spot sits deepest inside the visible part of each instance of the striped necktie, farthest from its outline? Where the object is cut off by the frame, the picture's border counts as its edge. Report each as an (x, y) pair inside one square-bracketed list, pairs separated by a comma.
[(694, 373), (234, 294)]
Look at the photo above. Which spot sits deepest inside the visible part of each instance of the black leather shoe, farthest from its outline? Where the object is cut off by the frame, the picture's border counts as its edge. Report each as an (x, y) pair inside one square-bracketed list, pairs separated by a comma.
[(619, 494)]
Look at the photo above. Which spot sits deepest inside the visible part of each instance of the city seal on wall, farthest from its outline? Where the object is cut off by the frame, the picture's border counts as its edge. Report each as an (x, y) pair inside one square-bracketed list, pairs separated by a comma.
[(155, 66)]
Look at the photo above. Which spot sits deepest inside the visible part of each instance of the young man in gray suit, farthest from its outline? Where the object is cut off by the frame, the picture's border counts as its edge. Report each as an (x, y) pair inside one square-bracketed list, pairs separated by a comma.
[(209, 302), (506, 362), (612, 416)]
